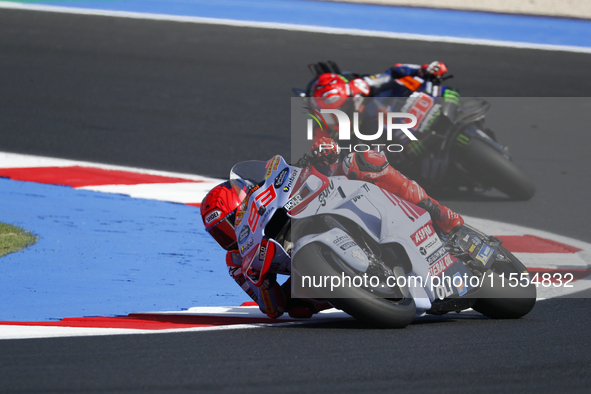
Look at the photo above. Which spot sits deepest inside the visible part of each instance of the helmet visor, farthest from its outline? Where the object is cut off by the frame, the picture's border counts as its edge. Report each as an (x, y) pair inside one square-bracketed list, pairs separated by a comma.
[(224, 232)]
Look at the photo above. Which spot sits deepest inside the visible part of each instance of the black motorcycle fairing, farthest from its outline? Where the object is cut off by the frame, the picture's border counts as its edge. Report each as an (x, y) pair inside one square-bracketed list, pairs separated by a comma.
[(472, 131), (472, 109)]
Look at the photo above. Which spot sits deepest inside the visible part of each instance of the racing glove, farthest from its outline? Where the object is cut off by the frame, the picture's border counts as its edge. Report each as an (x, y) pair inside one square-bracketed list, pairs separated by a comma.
[(359, 88), (325, 150)]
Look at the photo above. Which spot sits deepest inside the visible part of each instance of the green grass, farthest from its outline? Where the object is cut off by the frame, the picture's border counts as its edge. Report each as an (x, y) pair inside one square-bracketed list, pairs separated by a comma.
[(13, 239)]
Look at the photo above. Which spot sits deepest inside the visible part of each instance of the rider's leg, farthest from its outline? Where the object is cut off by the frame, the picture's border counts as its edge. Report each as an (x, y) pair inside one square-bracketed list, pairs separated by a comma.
[(374, 167)]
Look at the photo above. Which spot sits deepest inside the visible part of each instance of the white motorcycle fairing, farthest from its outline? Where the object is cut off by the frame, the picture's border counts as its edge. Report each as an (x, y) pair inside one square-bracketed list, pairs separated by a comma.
[(296, 221), (387, 219)]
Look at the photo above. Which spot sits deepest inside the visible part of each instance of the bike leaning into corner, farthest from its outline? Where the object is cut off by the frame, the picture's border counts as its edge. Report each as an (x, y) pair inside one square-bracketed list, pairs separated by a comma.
[(454, 150), (352, 245)]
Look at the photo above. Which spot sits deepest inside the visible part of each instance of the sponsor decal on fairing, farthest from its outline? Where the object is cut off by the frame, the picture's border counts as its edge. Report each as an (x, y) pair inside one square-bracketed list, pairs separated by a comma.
[(244, 233), (484, 254), (458, 282), (436, 256), (422, 234), (280, 178), (441, 265)]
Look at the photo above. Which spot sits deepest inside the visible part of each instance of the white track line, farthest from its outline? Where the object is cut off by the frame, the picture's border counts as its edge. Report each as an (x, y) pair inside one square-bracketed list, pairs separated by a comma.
[(295, 27), (27, 332)]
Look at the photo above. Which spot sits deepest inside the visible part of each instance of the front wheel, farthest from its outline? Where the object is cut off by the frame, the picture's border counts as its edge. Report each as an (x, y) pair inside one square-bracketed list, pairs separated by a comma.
[(488, 165), (318, 260)]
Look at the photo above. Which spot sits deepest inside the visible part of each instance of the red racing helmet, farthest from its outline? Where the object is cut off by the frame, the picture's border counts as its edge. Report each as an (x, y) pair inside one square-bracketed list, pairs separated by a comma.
[(330, 91), (218, 211)]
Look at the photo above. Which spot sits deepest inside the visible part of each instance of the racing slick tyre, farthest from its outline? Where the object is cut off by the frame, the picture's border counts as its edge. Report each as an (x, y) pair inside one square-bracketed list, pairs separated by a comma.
[(316, 259), (496, 170), (497, 298)]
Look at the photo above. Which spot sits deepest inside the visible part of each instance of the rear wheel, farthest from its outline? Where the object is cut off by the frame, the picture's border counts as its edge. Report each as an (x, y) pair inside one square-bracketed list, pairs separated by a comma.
[(494, 169), (498, 299), (365, 304)]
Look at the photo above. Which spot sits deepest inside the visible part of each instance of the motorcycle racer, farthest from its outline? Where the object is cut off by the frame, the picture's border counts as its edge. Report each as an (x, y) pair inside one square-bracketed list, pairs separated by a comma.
[(330, 90), (219, 207), (438, 154), (218, 211)]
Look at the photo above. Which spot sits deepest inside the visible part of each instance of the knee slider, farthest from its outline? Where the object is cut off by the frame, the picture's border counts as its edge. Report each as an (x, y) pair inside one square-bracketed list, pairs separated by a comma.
[(430, 207)]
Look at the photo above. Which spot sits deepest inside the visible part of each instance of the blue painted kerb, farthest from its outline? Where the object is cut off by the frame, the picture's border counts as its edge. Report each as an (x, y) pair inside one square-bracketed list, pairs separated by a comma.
[(105, 254)]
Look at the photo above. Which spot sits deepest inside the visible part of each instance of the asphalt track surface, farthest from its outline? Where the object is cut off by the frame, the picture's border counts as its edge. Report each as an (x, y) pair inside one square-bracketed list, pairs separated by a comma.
[(198, 98)]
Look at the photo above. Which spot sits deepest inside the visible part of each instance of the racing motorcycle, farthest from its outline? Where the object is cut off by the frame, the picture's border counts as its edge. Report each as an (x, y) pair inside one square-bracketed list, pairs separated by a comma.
[(389, 260), (454, 151)]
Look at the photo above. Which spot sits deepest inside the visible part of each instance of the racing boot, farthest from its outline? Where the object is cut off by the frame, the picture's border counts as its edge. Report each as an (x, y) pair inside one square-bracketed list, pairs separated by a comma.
[(374, 167)]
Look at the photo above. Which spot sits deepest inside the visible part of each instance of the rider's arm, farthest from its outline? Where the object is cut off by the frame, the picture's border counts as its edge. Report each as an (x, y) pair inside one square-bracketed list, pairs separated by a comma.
[(269, 296), (404, 69), (399, 70), (403, 73), (434, 68)]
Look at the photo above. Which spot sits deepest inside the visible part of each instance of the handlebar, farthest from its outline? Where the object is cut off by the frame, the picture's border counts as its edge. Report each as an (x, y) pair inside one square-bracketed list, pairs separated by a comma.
[(306, 161)]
